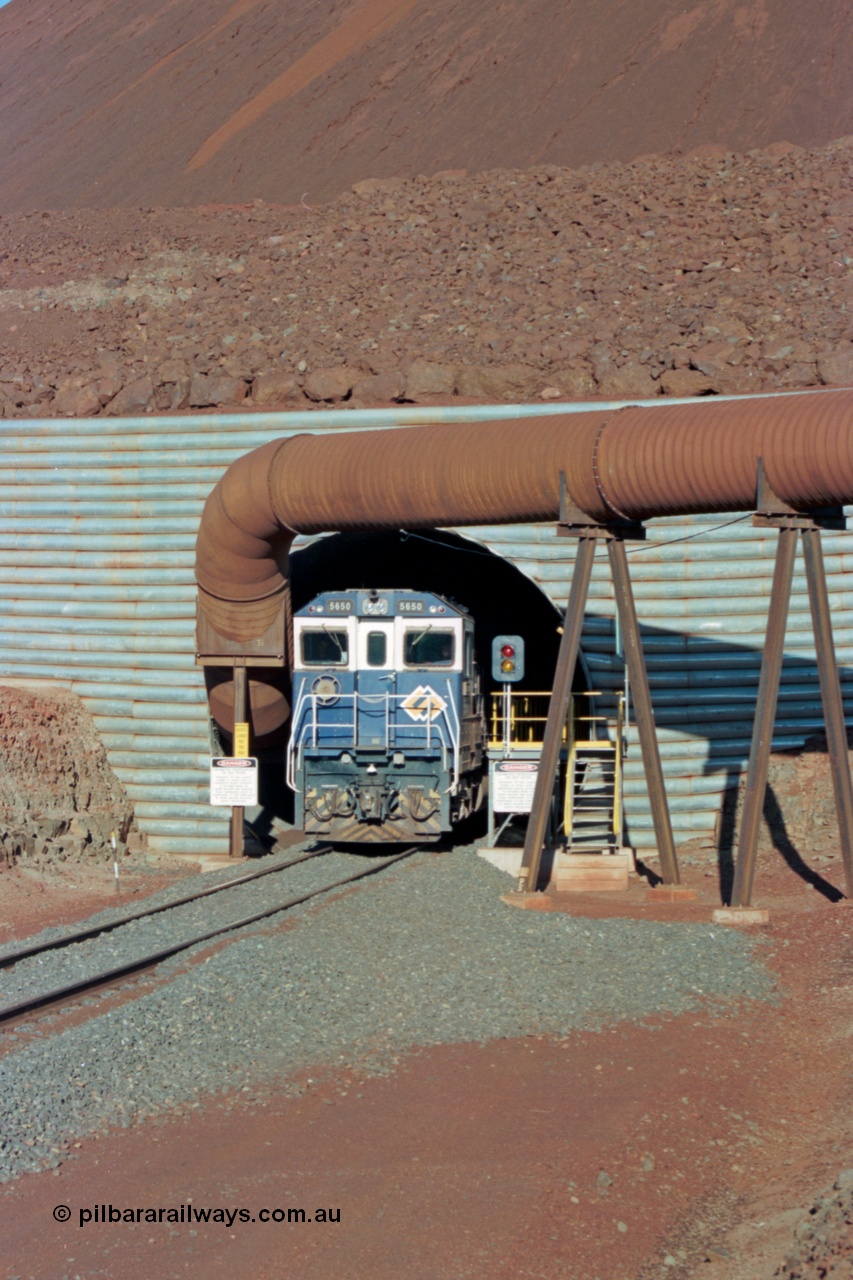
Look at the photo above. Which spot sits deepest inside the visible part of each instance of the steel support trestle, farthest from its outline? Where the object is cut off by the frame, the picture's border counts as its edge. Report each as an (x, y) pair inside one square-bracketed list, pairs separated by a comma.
[(773, 513), (765, 718), (643, 713), (553, 737), (830, 692), (575, 523)]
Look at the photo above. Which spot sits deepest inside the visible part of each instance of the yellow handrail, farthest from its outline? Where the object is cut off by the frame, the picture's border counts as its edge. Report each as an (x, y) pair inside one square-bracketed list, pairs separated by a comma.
[(528, 715), (617, 772), (518, 718)]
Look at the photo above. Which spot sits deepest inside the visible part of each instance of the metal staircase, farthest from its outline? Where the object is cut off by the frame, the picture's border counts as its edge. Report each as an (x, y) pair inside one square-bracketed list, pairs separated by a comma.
[(592, 810)]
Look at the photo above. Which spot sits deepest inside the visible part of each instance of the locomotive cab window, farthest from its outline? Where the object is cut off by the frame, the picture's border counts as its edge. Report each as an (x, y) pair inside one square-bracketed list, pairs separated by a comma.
[(377, 649), (323, 647), (425, 647)]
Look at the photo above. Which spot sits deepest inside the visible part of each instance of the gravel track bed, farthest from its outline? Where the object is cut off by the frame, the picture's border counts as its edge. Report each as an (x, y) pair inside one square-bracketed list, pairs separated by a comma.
[(127, 906), (424, 954), (79, 960)]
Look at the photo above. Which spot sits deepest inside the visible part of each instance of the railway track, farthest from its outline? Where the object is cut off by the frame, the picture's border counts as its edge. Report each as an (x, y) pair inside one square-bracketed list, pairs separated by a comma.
[(53, 997)]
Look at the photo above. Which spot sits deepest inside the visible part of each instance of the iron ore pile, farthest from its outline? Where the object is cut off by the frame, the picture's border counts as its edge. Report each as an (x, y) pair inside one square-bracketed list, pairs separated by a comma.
[(711, 274), (426, 954), (59, 799)]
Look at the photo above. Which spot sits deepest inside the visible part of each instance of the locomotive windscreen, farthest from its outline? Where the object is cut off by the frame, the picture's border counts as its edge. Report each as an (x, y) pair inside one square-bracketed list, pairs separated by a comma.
[(428, 648), (324, 648)]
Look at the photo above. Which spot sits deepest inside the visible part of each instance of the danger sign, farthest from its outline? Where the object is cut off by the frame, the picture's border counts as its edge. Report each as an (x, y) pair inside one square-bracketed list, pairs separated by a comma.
[(234, 780), (513, 784)]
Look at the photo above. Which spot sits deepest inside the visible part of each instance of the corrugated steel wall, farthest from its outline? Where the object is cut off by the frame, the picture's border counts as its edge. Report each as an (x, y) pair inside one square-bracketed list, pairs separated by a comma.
[(97, 593)]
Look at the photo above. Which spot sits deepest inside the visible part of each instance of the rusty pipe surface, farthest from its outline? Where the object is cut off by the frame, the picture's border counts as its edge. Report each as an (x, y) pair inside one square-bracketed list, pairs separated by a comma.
[(672, 459)]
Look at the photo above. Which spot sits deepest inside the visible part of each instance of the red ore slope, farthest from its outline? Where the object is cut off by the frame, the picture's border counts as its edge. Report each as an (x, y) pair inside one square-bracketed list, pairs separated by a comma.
[(149, 102)]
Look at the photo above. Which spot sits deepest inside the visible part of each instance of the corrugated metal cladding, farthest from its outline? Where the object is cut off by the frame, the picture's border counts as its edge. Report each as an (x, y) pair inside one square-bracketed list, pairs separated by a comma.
[(97, 594)]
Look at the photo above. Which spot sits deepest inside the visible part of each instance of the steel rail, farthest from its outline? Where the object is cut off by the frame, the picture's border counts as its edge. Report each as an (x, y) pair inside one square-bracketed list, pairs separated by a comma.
[(79, 935), (155, 957)]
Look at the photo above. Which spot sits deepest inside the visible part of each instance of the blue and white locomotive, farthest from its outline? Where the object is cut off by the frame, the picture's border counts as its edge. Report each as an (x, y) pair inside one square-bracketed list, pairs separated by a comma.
[(388, 732)]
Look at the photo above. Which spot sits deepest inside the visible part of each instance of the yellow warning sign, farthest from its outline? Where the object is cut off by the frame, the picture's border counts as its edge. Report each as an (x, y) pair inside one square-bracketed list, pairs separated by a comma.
[(241, 739)]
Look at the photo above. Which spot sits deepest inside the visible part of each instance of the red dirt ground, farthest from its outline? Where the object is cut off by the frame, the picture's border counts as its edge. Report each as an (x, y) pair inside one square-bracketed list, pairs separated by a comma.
[(33, 900), (687, 1146)]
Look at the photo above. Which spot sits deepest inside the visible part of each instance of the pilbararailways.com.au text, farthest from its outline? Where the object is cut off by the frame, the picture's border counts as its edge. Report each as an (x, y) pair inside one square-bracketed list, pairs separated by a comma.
[(102, 1214)]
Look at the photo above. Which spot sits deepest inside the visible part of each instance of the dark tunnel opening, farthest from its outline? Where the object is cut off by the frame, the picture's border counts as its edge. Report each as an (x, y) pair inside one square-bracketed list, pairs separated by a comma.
[(500, 598)]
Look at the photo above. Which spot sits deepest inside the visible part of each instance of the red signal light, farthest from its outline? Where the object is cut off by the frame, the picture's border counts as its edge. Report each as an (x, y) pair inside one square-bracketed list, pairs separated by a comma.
[(508, 651)]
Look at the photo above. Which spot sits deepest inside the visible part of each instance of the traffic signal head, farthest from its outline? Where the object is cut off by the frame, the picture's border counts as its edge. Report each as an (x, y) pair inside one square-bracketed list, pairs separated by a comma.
[(507, 659)]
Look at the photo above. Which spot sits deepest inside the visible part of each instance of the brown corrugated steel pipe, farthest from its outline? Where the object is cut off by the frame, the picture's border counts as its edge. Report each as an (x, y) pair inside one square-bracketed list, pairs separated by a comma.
[(672, 459)]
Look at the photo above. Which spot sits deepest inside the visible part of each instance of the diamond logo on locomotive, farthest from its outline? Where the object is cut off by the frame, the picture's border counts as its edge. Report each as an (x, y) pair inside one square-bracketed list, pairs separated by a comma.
[(424, 703)]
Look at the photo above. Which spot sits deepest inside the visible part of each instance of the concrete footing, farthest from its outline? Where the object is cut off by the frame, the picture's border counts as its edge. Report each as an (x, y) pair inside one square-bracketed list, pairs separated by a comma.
[(505, 857), (741, 915), (569, 872), (216, 861), (528, 901), (670, 893), (592, 872)]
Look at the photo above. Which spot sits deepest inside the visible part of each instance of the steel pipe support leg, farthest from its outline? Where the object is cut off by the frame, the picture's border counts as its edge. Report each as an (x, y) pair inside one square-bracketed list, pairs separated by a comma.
[(643, 710), (549, 760), (235, 845), (830, 692), (765, 718)]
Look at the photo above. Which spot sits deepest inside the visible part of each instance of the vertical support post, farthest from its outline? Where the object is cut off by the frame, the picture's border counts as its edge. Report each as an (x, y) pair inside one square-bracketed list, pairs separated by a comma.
[(830, 692), (491, 838), (765, 717), (548, 761), (643, 711), (235, 848)]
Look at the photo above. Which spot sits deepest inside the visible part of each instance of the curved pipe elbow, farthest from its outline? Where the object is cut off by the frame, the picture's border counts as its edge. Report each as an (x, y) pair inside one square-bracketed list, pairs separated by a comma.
[(242, 549)]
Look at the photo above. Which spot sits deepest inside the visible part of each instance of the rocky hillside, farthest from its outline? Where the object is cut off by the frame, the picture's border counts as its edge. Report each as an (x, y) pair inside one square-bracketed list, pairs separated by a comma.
[(718, 274), (137, 102)]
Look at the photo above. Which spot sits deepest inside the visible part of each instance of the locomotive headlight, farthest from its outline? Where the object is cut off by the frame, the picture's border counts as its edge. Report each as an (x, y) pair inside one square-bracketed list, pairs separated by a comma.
[(398, 758), (346, 758)]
